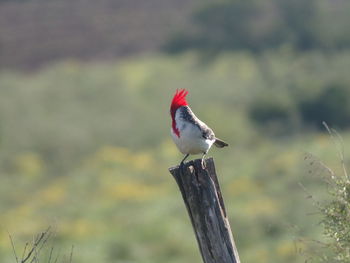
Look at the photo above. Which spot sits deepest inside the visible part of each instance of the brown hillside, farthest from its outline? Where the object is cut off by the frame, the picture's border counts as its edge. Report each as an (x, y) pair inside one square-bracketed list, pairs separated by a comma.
[(34, 32)]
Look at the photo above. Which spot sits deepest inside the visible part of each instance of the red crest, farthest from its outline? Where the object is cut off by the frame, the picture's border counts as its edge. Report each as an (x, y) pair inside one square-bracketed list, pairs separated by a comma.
[(179, 100)]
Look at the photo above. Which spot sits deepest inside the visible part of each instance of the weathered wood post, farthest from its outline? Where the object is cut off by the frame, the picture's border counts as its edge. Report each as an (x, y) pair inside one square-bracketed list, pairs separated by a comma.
[(202, 196)]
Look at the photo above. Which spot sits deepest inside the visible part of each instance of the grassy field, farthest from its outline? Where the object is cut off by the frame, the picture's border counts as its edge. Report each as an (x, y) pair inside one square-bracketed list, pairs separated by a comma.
[(85, 148)]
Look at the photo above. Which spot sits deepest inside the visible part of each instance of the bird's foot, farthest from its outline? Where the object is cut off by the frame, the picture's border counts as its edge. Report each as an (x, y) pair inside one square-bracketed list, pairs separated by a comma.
[(203, 161), (182, 164), (182, 168), (203, 164)]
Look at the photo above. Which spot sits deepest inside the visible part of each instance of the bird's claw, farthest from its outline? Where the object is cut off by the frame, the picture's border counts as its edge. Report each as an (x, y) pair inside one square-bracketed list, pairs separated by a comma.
[(182, 167), (203, 164)]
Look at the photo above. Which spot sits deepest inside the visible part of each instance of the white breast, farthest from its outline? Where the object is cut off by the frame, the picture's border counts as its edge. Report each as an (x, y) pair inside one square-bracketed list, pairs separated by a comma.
[(191, 140)]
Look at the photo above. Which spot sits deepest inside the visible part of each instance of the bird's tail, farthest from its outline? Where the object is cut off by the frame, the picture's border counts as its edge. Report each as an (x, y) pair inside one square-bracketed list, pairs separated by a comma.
[(219, 143)]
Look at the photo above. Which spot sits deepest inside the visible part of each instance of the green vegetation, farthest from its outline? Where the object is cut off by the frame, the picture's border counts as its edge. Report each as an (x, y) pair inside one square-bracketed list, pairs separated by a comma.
[(86, 148), (336, 216), (335, 211), (259, 25)]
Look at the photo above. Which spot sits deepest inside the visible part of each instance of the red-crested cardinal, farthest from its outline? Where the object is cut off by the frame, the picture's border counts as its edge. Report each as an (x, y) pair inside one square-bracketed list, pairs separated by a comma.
[(190, 134)]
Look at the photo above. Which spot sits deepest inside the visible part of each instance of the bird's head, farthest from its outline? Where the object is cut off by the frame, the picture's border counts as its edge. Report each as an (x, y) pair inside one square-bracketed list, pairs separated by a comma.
[(178, 101)]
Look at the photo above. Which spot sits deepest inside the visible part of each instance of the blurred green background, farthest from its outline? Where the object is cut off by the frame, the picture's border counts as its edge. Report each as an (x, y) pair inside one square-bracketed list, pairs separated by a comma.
[(85, 89)]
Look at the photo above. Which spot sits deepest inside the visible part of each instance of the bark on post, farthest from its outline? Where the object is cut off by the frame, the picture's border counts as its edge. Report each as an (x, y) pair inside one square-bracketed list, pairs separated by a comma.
[(202, 196)]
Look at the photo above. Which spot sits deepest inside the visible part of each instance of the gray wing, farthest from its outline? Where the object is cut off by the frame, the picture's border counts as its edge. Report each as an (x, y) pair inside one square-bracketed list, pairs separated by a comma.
[(188, 115), (207, 133)]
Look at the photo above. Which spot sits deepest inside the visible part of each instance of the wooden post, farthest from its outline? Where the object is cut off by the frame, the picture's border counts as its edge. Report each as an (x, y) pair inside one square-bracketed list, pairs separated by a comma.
[(202, 196)]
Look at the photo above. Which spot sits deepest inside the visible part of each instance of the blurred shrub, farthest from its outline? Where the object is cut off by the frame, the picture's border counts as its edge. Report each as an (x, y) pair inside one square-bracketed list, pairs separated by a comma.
[(335, 214), (298, 22), (336, 220), (230, 25), (278, 115), (258, 25), (274, 115), (331, 105)]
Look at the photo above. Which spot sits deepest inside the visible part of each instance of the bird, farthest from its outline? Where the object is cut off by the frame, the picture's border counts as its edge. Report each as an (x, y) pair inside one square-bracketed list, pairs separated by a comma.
[(190, 134)]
